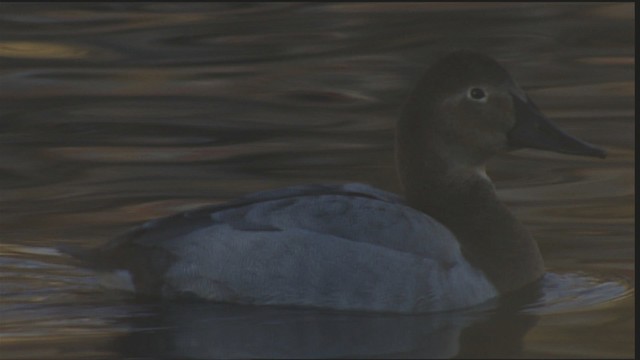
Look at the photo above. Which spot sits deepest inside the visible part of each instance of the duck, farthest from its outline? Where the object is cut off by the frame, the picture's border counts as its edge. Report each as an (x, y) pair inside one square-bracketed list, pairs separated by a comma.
[(447, 243)]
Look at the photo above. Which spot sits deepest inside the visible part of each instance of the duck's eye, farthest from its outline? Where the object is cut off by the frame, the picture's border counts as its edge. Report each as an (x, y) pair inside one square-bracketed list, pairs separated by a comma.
[(477, 94)]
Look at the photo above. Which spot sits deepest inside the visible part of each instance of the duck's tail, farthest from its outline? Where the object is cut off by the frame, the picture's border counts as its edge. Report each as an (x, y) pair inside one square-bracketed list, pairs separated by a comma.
[(85, 258), (92, 259)]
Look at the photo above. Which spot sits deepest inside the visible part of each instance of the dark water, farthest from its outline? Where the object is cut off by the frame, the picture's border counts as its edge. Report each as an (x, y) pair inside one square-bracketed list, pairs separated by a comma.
[(112, 114)]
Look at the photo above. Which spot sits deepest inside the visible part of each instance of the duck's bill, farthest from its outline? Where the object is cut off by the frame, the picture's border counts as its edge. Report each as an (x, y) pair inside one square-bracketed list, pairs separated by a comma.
[(534, 130)]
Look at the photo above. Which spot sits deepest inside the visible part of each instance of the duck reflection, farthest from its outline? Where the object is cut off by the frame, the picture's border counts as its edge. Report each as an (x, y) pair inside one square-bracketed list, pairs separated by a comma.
[(200, 330)]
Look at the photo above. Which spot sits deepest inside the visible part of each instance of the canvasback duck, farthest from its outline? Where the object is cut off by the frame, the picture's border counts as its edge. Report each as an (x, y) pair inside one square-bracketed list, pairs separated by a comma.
[(449, 243)]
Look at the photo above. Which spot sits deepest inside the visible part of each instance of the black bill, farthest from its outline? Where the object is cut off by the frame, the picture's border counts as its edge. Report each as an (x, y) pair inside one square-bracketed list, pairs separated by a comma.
[(534, 130)]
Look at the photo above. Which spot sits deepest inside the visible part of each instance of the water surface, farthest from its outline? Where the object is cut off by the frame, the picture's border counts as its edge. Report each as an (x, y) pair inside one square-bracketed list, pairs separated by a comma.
[(112, 114)]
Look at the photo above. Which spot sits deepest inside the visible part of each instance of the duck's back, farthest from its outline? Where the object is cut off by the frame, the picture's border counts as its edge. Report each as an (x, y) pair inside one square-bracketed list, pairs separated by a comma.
[(331, 246)]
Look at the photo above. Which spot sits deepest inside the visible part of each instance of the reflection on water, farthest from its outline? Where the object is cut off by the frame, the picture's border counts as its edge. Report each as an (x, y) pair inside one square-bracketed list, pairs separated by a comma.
[(216, 331), (204, 330), (116, 113)]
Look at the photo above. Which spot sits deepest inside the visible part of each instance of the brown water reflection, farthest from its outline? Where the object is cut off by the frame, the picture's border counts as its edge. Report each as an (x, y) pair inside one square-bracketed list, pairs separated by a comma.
[(112, 114)]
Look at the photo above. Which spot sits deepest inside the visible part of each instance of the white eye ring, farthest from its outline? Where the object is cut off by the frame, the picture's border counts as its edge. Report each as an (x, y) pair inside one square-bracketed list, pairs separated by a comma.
[(477, 94)]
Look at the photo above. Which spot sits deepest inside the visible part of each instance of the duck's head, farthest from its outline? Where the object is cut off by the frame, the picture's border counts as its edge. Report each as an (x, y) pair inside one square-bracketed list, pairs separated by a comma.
[(467, 108)]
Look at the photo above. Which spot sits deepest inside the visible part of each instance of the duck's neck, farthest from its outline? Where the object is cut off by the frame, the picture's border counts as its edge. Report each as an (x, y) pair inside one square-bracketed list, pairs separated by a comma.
[(464, 200)]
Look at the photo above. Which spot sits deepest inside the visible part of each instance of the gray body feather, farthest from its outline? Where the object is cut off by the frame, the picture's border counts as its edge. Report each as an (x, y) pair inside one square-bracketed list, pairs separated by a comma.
[(347, 247)]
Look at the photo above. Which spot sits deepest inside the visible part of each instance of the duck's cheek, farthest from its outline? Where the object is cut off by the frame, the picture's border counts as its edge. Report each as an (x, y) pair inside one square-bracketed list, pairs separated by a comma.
[(478, 144), (491, 142), (499, 142), (503, 118)]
